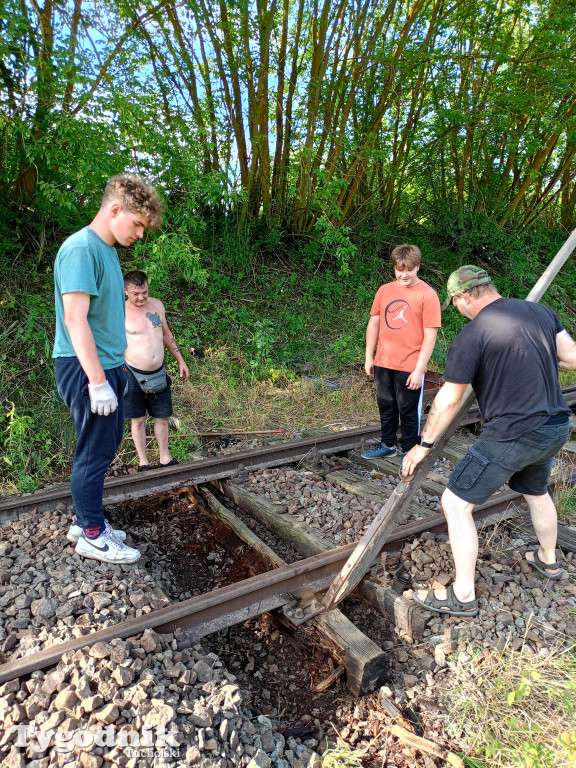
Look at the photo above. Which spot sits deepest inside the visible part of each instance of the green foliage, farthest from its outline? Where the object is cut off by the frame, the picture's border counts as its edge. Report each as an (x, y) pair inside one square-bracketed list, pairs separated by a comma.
[(342, 757), (173, 249), (337, 243), (260, 346), (27, 449)]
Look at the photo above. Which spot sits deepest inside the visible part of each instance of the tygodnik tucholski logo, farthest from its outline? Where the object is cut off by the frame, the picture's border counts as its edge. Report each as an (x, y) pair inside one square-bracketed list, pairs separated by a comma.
[(150, 741)]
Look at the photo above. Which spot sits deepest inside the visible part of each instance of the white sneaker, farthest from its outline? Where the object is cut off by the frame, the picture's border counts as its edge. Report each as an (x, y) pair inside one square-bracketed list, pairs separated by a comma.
[(106, 548), (75, 531)]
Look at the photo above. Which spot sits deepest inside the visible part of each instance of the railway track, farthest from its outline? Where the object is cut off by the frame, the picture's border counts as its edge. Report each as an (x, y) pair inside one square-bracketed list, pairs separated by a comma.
[(117, 490), (198, 616)]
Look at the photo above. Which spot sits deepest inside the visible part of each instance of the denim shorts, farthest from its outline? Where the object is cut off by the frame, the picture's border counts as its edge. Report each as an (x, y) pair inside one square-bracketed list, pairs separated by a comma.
[(523, 463), (138, 403)]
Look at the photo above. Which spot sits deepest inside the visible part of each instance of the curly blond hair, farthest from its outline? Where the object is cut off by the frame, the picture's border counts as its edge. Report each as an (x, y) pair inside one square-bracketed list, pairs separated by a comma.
[(135, 195)]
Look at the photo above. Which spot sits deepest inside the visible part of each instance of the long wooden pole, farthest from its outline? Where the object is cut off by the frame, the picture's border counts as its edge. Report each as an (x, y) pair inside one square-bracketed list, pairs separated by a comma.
[(375, 537)]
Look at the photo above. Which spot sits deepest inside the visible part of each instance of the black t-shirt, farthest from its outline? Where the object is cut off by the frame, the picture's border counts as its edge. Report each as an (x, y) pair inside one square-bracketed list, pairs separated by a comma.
[(508, 354)]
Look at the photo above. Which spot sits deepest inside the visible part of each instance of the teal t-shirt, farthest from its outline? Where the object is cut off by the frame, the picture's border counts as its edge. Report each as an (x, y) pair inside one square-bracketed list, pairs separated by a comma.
[(87, 264)]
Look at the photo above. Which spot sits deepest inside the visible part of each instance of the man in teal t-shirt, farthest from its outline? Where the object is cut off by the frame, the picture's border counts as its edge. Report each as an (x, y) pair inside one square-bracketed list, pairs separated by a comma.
[(89, 351)]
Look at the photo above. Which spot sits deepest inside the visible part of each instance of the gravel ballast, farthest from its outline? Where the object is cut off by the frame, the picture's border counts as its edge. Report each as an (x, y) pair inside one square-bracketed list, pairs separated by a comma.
[(186, 697)]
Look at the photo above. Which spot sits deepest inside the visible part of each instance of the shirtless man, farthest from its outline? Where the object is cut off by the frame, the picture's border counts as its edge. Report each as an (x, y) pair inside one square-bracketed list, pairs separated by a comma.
[(147, 333)]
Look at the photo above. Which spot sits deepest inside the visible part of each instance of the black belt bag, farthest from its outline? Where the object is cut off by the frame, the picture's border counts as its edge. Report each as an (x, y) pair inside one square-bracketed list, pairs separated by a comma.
[(151, 383)]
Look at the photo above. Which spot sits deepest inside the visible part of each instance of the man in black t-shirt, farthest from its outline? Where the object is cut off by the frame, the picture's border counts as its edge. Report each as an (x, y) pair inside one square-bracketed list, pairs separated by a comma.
[(510, 353)]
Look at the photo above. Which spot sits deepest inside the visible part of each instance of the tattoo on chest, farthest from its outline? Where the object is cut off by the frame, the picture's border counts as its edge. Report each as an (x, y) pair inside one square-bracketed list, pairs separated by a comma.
[(154, 319)]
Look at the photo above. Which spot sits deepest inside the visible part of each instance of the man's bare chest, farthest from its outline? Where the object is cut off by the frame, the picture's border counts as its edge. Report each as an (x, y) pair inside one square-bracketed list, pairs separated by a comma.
[(143, 323)]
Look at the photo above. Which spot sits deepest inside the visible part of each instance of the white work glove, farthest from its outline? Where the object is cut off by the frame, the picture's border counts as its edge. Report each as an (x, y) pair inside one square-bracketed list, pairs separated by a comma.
[(102, 399)]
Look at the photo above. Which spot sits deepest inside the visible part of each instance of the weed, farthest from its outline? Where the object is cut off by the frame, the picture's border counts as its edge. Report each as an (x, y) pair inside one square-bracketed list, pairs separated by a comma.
[(342, 757), (280, 402), (516, 710), (260, 346), (564, 493)]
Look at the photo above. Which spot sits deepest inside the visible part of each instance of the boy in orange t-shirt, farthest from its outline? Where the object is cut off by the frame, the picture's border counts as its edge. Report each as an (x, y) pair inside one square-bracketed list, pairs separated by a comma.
[(404, 322)]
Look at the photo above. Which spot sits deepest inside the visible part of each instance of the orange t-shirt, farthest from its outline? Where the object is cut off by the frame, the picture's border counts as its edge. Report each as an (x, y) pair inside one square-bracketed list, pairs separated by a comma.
[(404, 313)]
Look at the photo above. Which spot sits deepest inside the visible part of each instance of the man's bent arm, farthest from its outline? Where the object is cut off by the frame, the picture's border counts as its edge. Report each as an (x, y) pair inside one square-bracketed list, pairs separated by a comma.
[(371, 341), (172, 347), (414, 381), (565, 351), (444, 407), (76, 306)]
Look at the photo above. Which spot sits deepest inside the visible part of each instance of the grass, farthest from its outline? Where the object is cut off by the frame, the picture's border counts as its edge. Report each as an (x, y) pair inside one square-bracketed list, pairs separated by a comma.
[(564, 493), (282, 401), (212, 401), (567, 378), (342, 757), (511, 710)]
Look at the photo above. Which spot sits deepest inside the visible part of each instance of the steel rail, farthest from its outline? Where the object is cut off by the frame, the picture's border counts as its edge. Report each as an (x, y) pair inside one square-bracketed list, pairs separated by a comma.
[(117, 490), (203, 614), (235, 603)]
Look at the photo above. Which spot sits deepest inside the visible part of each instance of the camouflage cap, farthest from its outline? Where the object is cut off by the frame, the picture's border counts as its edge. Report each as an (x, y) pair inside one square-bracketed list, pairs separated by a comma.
[(463, 279)]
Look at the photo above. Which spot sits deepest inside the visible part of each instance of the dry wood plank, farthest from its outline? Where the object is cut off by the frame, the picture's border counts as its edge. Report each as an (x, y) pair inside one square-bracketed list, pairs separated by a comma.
[(425, 745), (366, 663), (567, 537), (294, 532), (436, 477), (239, 528), (409, 622), (327, 682), (393, 712), (455, 448)]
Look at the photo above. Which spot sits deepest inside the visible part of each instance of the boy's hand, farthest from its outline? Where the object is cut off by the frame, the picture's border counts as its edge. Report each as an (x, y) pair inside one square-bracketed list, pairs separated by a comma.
[(103, 400), (414, 381), (184, 371), (369, 367)]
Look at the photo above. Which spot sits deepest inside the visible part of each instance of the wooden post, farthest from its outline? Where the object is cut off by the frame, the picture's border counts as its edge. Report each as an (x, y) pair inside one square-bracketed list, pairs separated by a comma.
[(384, 522)]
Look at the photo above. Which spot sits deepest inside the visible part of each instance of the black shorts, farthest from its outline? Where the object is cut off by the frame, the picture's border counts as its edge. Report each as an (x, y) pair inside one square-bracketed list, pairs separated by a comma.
[(523, 463), (138, 403)]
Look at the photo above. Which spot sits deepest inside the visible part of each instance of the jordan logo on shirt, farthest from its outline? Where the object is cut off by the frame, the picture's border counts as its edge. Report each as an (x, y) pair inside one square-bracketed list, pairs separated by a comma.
[(394, 314)]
